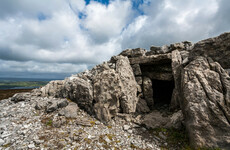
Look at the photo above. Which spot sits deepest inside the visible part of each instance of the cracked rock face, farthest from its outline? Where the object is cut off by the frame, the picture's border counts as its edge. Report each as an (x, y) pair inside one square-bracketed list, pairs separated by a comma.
[(205, 89), (129, 99), (218, 48), (107, 94)]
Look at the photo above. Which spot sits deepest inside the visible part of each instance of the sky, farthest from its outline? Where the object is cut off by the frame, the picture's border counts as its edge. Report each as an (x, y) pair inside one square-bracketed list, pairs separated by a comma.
[(57, 38)]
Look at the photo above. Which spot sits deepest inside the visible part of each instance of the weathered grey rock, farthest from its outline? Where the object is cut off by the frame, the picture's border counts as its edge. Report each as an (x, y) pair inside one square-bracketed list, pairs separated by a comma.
[(53, 88), (20, 97), (156, 119), (177, 46), (206, 97), (148, 91), (31, 146), (133, 52), (139, 90), (52, 106), (99, 69), (184, 54), (126, 127), (69, 111), (158, 50), (186, 45), (218, 48), (228, 71), (107, 91), (126, 117), (1, 142), (142, 106), (129, 99), (83, 122), (176, 70), (62, 103), (102, 112), (176, 120), (58, 121), (41, 105), (153, 59), (139, 80), (136, 69), (79, 91)]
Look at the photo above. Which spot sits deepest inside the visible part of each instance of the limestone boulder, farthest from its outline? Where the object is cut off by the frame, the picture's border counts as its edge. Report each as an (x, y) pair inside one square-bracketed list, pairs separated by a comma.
[(139, 80), (52, 105), (125, 72), (115, 91), (176, 71), (186, 45), (158, 50), (148, 91), (136, 69), (80, 91), (53, 89), (133, 52), (205, 103), (153, 59), (58, 121), (142, 106), (69, 111), (107, 91), (104, 112), (156, 119), (218, 48), (20, 97)]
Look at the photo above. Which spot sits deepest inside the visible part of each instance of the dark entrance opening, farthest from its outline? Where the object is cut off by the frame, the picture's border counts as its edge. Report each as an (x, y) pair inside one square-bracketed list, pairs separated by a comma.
[(162, 92)]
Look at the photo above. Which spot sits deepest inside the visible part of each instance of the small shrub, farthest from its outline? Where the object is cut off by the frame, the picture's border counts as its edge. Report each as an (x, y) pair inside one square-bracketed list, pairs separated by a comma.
[(49, 123)]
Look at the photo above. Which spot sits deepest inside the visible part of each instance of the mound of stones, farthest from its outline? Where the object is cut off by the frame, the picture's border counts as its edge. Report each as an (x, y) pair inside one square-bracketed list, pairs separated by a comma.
[(181, 84)]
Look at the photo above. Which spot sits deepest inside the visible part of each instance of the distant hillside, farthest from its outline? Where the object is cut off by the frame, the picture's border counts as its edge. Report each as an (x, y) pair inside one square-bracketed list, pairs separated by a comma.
[(17, 84)]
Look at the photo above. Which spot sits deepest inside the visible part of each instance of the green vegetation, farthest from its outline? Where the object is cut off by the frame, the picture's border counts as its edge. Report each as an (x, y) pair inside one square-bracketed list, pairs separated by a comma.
[(176, 139), (49, 123)]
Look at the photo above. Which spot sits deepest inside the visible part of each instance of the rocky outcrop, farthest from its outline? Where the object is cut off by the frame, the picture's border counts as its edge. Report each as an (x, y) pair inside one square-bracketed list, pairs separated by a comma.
[(80, 91), (129, 99), (20, 97), (186, 80), (205, 90), (105, 90), (218, 48), (142, 106), (148, 91), (130, 53), (52, 89), (69, 111), (156, 119), (107, 94)]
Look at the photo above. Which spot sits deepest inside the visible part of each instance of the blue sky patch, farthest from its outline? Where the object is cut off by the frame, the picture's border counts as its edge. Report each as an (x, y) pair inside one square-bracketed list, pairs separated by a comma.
[(105, 2), (81, 15), (41, 16), (135, 5)]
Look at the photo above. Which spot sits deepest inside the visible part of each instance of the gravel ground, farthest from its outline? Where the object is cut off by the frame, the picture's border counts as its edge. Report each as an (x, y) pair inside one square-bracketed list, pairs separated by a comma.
[(24, 127)]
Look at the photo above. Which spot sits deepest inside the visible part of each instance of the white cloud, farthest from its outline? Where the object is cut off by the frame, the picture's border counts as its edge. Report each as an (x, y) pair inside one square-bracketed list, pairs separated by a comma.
[(172, 21), (49, 36), (106, 22), (36, 67)]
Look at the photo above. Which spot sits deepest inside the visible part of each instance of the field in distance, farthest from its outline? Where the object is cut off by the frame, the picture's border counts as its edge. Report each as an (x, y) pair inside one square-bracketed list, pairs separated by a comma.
[(22, 83), (11, 86)]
